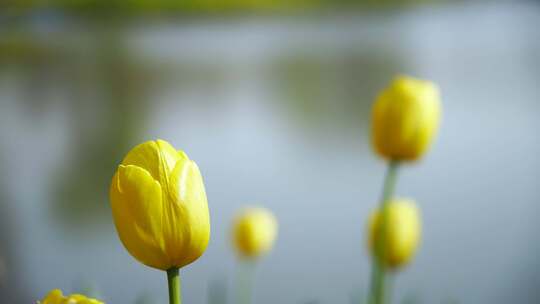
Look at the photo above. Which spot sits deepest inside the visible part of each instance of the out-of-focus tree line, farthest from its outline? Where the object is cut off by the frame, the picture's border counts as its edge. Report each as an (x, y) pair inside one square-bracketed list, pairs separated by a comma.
[(129, 7)]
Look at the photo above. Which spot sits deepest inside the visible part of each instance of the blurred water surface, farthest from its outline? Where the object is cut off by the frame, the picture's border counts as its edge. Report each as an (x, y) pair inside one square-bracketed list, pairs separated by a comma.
[(276, 112)]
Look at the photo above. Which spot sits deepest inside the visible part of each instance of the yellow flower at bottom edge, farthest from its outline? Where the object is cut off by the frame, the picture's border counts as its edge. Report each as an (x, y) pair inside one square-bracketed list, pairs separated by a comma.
[(159, 206), (55, 296), (405, 118), (403, 231), (254, 232)]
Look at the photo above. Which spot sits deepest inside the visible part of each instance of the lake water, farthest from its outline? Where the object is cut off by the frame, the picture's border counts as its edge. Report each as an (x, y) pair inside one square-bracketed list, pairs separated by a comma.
[(276, 112)]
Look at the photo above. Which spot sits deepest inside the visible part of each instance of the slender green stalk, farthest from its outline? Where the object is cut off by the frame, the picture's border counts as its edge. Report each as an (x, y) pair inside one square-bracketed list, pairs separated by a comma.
[(173, 280), (244, 281), (378, 293)]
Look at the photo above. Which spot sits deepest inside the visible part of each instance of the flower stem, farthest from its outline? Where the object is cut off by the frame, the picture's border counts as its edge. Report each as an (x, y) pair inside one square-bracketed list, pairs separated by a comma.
[(173, 280), (244, 283), (378, 290)]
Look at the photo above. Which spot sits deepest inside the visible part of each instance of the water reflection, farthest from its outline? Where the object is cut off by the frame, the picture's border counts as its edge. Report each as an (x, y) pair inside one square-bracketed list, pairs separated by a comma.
[(337, 86), (110, 112), (11, 281)]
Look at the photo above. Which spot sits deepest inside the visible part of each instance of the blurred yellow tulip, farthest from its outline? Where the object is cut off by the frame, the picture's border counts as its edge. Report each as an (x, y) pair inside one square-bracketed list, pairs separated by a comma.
[(159, 206), (402, 231), (55, 296), (405, 118), (254, 232)]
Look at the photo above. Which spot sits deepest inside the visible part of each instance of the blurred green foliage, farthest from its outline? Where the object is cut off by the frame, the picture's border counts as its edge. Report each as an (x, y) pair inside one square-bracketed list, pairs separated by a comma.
[(196, 6), (310, 84), (107, 89)]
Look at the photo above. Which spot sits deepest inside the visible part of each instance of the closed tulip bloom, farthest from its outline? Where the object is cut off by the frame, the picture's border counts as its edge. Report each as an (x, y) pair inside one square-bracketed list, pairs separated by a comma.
[(402, 232), (159, 206), (405, 118), (55, 296), (254, 232)]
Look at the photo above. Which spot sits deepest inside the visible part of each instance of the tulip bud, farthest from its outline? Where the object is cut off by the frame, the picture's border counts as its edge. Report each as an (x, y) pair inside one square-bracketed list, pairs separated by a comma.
[(254, 232), (402, 232), (159, 206), (405, 118), (55, 296)]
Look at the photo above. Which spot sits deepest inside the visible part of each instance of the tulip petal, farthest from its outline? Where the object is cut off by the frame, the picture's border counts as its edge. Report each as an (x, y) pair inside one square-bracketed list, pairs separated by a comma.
[(53, 297), (137, 206), (169, 154), (191, 235), (156, 157)]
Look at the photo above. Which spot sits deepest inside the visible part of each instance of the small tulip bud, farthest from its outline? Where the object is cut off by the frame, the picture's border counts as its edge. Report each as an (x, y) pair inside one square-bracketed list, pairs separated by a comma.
[(254, 232), (55, 296), (405, 118), (402, 232)]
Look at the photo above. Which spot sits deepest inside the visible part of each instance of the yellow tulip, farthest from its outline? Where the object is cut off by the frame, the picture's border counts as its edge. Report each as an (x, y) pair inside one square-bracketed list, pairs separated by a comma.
[(159, 206), (55, 296), (402, 232), (405, 118), (254, 232)]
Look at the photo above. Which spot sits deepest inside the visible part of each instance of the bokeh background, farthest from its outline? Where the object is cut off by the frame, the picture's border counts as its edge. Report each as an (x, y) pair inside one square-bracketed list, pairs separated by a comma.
[(272, 100)]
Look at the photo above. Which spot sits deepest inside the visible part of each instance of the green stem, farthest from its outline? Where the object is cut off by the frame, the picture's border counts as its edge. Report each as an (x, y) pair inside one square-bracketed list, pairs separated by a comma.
[(173, 280), (244, 283), (378, 271)]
